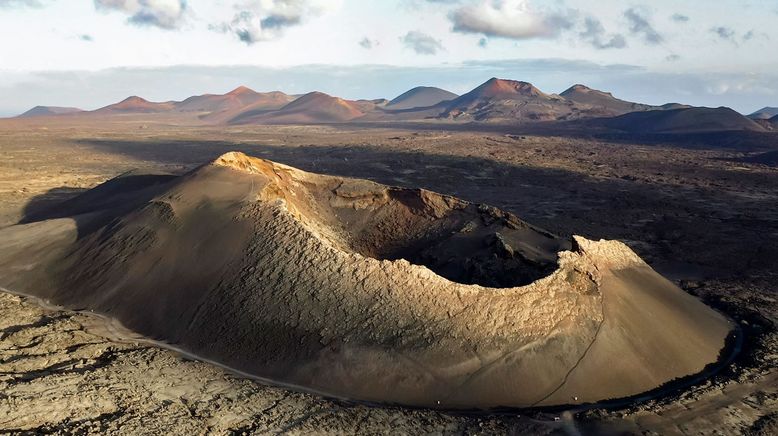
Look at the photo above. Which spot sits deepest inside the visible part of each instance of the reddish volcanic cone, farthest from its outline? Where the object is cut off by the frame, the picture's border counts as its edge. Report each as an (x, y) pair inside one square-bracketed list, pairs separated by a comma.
[(238, 99), (508, 101), (136, 105), (314, 107)]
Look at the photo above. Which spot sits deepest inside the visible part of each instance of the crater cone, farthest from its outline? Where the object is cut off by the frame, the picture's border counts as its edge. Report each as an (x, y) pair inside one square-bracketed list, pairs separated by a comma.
[(364, 291)]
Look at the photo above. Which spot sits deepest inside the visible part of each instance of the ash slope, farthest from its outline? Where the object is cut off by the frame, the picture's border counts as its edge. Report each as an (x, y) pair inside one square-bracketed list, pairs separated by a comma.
[(289, 275)]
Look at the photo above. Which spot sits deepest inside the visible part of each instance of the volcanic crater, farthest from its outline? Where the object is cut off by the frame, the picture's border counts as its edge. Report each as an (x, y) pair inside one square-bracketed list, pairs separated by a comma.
[(363, 291)]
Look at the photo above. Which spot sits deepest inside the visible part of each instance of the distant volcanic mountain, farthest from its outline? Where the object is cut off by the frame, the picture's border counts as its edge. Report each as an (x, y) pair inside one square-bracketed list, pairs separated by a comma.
[(233, 109), (136, 105), (764, 114), (420, 97), (690, 120), (241, 98), (602, 102), (500, 100), (363, 291), (314, 107), (45, 111), (497, 101)]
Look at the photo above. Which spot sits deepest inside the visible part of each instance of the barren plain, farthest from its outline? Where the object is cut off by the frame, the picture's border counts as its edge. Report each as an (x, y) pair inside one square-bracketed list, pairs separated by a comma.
[(700, 211)]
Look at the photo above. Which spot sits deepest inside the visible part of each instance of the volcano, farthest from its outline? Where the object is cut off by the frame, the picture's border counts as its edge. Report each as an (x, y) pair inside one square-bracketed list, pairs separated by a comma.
[(500, 100), (239, 98), (364, 291), (311, 108), (239, 103), (604, 102), (419, 97), (136, 105), (684, 121), (45, 111)]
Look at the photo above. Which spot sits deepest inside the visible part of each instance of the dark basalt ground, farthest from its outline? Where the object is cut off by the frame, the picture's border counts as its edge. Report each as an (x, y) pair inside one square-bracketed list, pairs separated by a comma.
[(697, 209)]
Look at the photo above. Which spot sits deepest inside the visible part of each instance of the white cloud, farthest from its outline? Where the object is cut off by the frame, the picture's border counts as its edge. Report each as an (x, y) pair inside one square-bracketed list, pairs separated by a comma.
[(368, 43), (166, 14), (594, 33), (515, 19), (265, 20), (22, 3), (680, 18), (724, 32), (422, 43), (640, 25), (19, 3)]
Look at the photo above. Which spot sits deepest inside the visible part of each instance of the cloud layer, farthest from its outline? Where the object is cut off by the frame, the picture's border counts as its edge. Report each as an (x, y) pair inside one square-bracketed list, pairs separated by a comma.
[(165, 14)]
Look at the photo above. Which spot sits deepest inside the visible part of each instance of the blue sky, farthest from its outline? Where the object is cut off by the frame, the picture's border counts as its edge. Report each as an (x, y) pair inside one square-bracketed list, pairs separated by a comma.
[(89, 53)]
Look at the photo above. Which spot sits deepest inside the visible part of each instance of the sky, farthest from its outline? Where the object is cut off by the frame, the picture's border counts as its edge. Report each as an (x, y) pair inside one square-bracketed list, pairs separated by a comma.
[(90, 53)]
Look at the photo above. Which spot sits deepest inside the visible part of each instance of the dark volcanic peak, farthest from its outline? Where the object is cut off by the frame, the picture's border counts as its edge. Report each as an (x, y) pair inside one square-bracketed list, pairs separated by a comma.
[(681, 121), (601, 102), (43, 111), (579, 89), (421, 96), (764, 114)]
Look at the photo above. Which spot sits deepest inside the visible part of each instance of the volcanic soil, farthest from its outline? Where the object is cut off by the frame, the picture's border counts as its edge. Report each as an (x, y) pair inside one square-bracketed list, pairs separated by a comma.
[(697, 213)]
